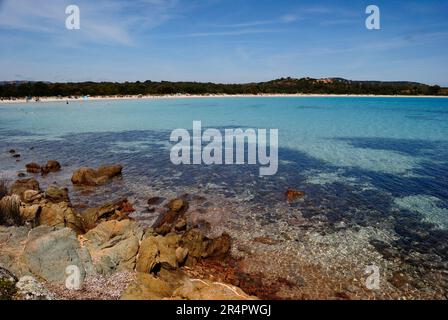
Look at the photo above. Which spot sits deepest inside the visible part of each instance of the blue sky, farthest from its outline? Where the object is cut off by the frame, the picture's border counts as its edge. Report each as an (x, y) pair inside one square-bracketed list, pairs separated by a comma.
[(223, 40)]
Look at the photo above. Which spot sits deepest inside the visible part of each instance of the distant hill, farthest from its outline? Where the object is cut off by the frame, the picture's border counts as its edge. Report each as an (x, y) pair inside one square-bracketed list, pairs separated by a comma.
[(19, 82), (278, 86)]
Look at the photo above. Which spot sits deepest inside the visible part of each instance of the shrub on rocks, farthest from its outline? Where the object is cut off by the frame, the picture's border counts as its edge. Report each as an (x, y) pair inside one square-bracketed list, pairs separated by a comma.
[(10, 211)]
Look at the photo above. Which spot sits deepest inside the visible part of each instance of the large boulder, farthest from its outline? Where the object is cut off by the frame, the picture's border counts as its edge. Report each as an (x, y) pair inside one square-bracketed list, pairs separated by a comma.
[(52, 208), (12, 241), (117, 210), (20, 186), (48, 252), (91, 177), (59, 215), (114, 245), (159, 252)]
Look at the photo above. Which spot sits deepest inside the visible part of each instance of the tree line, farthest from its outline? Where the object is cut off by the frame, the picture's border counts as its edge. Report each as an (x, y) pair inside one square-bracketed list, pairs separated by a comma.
[(279, 86)]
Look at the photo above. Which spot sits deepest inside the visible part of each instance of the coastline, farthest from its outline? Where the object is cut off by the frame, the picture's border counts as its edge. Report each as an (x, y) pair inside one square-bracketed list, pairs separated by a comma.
[(185, 96)]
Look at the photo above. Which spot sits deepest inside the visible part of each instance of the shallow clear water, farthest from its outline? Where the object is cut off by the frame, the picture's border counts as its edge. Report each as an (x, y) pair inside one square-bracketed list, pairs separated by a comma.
[(359, 160)]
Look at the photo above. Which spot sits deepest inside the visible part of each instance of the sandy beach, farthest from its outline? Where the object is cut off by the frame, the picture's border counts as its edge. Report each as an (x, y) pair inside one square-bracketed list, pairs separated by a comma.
[(184, 96)]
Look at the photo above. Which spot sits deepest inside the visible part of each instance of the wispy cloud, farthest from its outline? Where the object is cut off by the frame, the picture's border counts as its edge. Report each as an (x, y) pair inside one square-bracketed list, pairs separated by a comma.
[(232, 33), (101, 21), (287, 18)]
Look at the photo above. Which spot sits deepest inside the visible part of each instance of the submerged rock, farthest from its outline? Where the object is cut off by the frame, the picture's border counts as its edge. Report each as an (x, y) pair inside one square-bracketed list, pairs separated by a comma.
[(292, 195), (33, 167), (91, 177), (51, 166)]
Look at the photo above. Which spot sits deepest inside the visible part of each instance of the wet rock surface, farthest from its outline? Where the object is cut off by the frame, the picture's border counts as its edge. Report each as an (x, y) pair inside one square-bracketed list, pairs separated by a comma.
[(91, 177)]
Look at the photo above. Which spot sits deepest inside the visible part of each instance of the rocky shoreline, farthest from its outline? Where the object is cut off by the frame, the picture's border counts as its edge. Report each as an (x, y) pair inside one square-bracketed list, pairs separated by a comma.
[(187, 244), (117, 258)]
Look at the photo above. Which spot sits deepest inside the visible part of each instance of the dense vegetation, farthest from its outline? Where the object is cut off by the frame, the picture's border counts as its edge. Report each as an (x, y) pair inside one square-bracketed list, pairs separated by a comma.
[(279, 86)]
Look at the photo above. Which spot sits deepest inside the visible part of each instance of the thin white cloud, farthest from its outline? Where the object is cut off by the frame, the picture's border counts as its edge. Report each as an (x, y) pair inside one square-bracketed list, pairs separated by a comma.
[(232, 33), (101, 21)]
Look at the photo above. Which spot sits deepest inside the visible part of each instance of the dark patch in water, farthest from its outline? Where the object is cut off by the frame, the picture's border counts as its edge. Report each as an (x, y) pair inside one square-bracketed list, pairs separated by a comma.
[(332, 203)]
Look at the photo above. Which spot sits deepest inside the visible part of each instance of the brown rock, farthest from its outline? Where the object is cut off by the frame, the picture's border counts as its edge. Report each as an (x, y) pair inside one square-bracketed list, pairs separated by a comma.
[(158, 252), (147, 287), (33, 167), (147, 256), (201, 247), (110, 171), (85, 176), (30, 212), (181, 255), (56, 194), (198, 289), (167, 221), (114, 245), (20, 186), (31, 196), (292, 195), (91, 177), (117, 210), (60, 215), (178, 205), (51, 166)]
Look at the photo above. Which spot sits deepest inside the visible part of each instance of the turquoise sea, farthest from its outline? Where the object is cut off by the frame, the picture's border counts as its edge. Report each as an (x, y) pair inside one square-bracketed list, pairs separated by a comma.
[(366, 162)]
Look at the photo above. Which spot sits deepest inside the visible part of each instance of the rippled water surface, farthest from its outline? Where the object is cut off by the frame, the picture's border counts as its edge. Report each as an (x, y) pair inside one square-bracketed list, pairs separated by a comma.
[(379, 162)]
